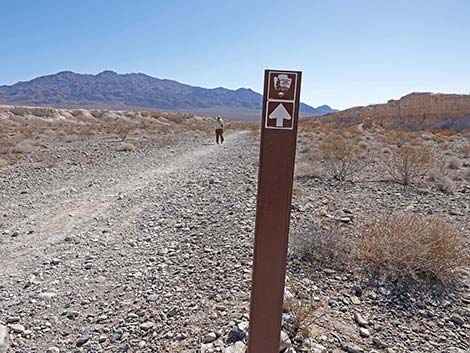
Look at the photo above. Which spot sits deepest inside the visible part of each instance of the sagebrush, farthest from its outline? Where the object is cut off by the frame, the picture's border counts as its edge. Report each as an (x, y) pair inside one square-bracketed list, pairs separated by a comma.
[(406, 164), (413, 246), (342, 157)]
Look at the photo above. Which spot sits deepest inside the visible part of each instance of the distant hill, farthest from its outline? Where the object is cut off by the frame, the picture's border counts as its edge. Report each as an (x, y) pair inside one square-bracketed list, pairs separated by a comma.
[(137, 91), (415, 111)]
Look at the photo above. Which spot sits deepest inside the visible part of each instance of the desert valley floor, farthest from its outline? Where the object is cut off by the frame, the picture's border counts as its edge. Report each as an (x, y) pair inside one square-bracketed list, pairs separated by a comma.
[(150, 251)]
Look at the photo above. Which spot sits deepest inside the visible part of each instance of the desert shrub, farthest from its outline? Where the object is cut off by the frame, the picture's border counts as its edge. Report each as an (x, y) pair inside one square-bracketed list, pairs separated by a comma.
[(467, 176), (316, 244), (444, 132), (302, 313), (399, 138), (444, 184), (255, 135), (3, 164), (307, 170), (6, 145), (122, 131), (403, 246), (126, 147), (454, 164), (24, 147), (465, 149), (342, 157), (363, 145), (178, 118), (407, 163)]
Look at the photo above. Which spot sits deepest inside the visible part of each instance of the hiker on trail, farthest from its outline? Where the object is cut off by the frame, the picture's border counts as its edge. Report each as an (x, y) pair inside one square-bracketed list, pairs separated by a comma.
[(219, 130)]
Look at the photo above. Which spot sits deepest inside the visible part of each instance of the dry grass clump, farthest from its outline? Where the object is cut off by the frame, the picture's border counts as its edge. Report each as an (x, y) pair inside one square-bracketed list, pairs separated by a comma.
[(465, 149), (403, 246), (126, 147), (444, 184), (342, 156), (6, 145), (454, 164), (317, 244), (444, 132), (407, 163), (399, 138), (363, 145), (307, 170), (255, 135), (24, 147), (302, 314), (439, 174), (466, 176), (3, 164)]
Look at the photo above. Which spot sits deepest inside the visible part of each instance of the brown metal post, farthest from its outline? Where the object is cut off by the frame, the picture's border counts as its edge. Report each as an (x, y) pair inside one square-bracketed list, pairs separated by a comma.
[(275, 179)]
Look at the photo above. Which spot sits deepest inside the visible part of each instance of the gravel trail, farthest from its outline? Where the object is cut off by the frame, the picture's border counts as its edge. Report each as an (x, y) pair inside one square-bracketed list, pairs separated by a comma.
[(143, 253)]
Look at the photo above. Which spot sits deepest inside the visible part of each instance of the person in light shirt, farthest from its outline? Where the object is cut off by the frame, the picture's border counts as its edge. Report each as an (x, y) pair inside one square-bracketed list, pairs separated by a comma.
[(219, 130)]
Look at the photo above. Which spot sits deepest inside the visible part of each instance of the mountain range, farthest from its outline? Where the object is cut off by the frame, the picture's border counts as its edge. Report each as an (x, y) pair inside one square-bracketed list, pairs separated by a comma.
[(137, 91)]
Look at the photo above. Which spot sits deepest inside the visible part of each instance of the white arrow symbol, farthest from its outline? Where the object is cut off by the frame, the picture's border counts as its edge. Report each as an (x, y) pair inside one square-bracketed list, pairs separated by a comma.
[(280, 114)]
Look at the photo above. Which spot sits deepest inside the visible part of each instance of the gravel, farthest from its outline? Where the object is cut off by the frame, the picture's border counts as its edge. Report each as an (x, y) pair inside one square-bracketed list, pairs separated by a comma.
[(151, 251)]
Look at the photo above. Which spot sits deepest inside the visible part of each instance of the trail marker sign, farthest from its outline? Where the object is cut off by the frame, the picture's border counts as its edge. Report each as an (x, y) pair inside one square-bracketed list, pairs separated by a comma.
[(276, 172)]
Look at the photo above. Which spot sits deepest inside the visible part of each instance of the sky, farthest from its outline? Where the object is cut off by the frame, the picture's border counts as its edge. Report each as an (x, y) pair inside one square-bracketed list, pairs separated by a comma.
[(351, 52)]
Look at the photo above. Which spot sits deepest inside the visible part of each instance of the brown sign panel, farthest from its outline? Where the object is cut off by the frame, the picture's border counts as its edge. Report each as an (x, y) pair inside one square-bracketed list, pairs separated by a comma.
[(282, 85), (275, 179), (279, 115)]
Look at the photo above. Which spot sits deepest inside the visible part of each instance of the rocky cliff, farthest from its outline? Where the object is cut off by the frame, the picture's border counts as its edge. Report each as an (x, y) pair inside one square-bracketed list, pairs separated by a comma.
[(415, 111)]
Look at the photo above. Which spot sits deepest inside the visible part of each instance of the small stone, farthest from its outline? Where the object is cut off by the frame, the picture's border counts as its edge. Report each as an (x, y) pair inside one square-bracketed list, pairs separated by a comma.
[(317, 348), (72, 239), (210, 337), (173, 311), (360, 320), (350, 348), (345, 219), (329, 271), (357, 290), (152, 298), (117, 335), (355, 300), (285, 338), (46, 296), (3, 338), (288, 295), (72, 315), (235, 334), (378, 343), (53, 350), (146, 325), (243, 326), (456, 319), (13, 319), (364, 332), (237, 347), (17, 328), (82, 340)]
